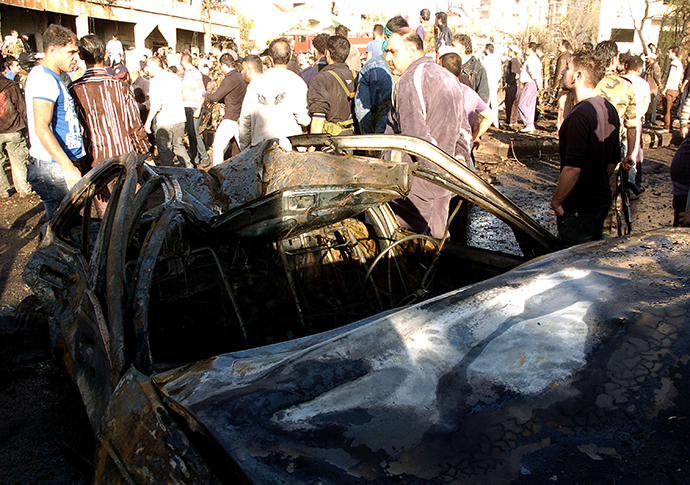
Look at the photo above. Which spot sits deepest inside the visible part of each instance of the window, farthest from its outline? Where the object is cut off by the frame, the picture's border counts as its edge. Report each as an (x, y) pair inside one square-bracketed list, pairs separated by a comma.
[(623, 35)]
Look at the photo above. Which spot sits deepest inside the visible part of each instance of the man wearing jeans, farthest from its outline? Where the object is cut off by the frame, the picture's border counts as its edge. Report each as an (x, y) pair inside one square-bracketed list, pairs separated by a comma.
[(231, 92), (165, 93), (54, 130)]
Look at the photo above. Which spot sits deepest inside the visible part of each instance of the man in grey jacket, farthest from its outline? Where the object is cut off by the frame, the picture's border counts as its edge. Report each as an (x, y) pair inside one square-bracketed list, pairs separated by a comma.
[(428, 103)]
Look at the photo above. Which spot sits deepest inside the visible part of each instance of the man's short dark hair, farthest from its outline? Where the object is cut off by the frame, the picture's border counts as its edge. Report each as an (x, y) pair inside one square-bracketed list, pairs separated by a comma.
[(489, 47), (320, 43), (217, 45), (591, 64), (279, 50), (378, 29), (465, 41), (452, 62), (442, 17), (587, 46), (410, 36), (566, 43), (396, 23), (607, 50), (255, 62), (341, 30), (674, 49), (633, 63), (425, 14), (339, 47), (92, 49), (58, 36), (227, 60), (532, 46)]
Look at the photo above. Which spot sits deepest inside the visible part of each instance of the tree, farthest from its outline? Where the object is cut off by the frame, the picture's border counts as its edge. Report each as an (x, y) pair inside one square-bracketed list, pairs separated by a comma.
[(581, 23), (675, 25), (246, 44), (639, 28)]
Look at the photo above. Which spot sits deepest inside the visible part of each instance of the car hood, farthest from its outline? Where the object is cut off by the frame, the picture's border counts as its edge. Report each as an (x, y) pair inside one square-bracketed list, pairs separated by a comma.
[(472, 385)]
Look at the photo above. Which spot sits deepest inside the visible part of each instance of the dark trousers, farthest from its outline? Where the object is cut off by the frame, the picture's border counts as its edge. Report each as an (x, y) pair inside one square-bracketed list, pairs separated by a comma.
[(511, 102), (679, 203), (651, 111), (197, 147), (578, 227)]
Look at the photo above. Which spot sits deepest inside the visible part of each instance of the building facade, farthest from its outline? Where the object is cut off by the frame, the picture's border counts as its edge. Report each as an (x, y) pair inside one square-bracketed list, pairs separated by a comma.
[(182, 24)]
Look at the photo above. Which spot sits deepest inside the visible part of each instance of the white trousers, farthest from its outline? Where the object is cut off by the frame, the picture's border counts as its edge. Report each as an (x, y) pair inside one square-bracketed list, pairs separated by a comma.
[(226, 131)]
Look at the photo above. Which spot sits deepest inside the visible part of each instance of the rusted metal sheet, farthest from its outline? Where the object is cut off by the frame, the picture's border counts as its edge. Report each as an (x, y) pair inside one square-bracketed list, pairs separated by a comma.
[(480, 385), (139, 441)]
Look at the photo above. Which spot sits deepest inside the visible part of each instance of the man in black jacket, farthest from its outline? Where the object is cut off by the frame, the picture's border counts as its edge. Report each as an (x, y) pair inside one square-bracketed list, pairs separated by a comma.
[(471, 67), (444, 36), (331, 92)]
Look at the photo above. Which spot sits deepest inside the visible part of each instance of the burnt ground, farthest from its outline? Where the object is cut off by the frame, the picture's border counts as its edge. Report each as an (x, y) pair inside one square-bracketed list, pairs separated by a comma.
[(44, 433)]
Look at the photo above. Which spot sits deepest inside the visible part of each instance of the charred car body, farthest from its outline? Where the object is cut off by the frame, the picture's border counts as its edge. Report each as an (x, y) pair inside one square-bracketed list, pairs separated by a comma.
[(268, 321)]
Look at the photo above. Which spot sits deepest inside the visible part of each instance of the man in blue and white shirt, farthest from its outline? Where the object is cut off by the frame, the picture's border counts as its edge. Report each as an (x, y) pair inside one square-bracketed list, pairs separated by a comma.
[(54, 129)]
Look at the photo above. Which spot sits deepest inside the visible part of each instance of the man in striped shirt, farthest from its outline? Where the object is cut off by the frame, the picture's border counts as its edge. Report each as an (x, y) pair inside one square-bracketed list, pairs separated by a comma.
[(107, 111), (106, 108)]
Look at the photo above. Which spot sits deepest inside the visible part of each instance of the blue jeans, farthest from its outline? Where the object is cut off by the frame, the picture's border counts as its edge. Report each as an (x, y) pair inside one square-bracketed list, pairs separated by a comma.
[(48, 181)]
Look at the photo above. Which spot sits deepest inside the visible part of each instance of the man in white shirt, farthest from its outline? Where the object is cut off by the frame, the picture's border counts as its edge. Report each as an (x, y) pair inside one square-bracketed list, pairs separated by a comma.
[(165, 94), (670, 91), (634, 67), (275, 104), (115, 51), (494, 71), (532, 81), (193, 92)]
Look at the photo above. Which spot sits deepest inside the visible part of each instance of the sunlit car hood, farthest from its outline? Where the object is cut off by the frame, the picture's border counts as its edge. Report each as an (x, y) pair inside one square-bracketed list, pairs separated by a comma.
[(471, 385)]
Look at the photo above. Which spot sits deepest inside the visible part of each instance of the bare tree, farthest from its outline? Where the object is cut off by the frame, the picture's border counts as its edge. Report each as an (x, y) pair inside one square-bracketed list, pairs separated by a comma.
[(675, 25), (581, 23), (639, 28)]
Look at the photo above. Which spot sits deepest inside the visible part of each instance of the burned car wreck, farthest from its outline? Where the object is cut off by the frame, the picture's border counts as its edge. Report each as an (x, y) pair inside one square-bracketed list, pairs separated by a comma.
[(268, 321)]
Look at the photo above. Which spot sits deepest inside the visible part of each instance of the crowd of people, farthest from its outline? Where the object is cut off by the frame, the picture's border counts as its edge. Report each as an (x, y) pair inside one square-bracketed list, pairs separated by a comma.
[(87, 101)]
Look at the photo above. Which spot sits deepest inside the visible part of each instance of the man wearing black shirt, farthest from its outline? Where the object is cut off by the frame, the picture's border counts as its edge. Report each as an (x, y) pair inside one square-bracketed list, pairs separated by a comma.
[(590, 149)]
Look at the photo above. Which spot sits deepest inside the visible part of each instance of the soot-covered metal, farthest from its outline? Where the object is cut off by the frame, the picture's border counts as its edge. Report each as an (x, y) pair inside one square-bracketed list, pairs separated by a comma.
[(268, 321)]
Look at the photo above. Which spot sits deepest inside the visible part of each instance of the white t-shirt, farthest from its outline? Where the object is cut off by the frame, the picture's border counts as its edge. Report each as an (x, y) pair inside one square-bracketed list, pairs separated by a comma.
[(675, 74), (42, 83), (531, 71), (274, 106), (165, 93)]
